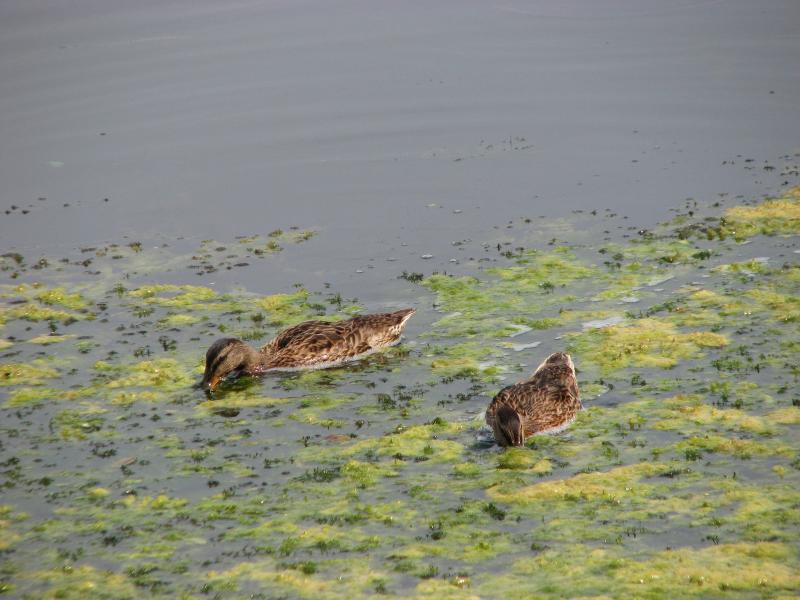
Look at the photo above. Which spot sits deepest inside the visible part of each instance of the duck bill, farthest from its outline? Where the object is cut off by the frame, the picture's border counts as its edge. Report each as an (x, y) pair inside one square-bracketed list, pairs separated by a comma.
[(210, 384)]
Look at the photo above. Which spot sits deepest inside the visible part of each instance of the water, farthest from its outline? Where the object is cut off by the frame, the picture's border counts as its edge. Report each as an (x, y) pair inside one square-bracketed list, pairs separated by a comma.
[(530, 151), (202, 120)]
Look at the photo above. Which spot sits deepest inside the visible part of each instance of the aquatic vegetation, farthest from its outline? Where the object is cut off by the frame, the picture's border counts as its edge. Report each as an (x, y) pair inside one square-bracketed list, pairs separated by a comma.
[(31, 395), (559, 268), (77, 582), (36, 303), (683, 573), (783, 307), (413, 442), (46, 340), (735, 567), (59, 297), (468, 360), (776, 216), (37, 313), (679, 412), (165, 373), (741, 448), (190, 297), (642, 343), (289, 309), (120, 479), (78, 424), (664, 251), (33, 373), (618, 483)]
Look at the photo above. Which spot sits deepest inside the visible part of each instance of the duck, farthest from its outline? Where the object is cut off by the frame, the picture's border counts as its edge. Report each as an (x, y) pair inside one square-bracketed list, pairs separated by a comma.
[(308, 345), (546, 402)]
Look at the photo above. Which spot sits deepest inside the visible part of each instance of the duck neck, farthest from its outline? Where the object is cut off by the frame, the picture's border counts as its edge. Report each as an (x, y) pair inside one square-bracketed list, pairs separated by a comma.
[(253, 360)]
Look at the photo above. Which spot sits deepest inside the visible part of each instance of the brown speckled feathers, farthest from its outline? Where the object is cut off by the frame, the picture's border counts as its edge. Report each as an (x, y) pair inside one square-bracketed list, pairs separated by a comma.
[(546, 402), (320, 342), (309, 345)]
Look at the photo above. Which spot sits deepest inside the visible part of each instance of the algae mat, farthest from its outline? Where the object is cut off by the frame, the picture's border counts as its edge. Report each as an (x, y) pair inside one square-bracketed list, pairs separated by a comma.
[(121, 480)]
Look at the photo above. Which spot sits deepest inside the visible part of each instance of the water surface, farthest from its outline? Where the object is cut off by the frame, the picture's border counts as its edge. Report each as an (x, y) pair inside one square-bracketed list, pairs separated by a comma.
[(177, 172)]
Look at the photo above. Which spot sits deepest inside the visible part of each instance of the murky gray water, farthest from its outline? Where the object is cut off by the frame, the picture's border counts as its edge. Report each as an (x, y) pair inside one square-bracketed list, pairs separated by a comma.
[(203, 119), (408, 139)]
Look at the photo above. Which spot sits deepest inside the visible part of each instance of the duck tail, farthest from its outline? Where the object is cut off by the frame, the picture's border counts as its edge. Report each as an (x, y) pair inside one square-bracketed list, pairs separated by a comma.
[(403, 315)]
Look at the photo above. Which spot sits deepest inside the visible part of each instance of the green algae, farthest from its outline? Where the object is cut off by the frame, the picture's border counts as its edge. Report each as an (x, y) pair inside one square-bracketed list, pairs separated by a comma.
[(311, 409), (84, 581), (577, 571), (642, 343), (504, 304), (313, 381), (418, 441), (524, 459), (37, 303), (241, 400), (289, 309), (740, 448), (681, 411), (618, 483), (60, 297), (34, 373), (467, 360), (72, 424), (352, 577), (664, 251), (179, 320), (736, 567), (782, 307), (776, 216), (35, 313), (46, 340), (368, 479), (558, 268), (7, 518), (187, 297), (164, 373), (31, 395)]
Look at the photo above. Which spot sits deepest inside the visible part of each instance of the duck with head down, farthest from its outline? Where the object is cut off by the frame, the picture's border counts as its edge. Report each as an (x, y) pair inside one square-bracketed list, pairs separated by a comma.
[(309, 345), (547, 402)]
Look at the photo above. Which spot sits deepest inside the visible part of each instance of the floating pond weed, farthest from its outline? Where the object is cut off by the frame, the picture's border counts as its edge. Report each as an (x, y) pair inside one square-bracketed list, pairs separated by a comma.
[(642, 343), (776, 216), (121, 479)]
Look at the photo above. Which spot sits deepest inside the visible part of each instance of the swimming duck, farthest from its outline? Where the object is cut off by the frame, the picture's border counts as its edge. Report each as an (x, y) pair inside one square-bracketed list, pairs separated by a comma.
[(547, 402), (309, 345)]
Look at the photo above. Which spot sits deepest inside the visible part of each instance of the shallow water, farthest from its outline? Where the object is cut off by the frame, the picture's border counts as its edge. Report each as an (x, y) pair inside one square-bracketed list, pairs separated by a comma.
[(175, 173), (120, 478)]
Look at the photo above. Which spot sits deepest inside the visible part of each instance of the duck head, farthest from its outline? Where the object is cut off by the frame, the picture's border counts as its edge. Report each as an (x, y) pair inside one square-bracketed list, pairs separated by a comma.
[(227, 357), (508, 427), (560, 358)]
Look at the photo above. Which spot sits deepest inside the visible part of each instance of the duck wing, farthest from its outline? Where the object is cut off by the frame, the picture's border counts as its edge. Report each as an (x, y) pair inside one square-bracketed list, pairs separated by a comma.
[(313, 342), (321, 342), (293, 334)]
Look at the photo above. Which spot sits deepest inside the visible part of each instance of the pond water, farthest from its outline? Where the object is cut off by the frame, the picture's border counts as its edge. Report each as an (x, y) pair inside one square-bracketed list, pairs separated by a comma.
[(530, 177)]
